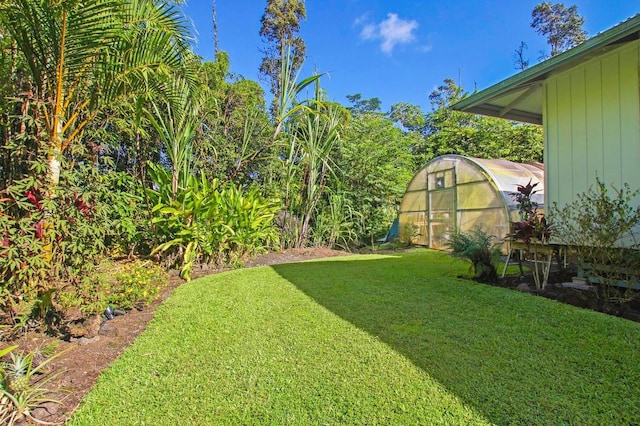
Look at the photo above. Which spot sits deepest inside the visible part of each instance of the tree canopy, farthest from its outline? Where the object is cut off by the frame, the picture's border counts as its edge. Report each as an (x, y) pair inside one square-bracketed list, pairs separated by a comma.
[(562, 26), (280, 24)]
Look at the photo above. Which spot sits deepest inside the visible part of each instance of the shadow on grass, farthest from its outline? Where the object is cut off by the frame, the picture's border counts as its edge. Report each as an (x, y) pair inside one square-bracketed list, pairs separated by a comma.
[(516, 358)]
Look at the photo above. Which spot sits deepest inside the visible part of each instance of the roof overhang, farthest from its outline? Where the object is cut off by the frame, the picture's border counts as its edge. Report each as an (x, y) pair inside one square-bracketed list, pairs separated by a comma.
[(520, 97)]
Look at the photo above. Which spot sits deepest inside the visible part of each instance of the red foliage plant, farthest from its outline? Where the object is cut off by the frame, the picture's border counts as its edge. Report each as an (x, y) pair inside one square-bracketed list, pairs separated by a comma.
[(533, 225)]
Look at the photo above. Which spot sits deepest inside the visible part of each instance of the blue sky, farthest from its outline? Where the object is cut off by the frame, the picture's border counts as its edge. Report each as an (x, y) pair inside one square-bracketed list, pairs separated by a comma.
[(398, 51)]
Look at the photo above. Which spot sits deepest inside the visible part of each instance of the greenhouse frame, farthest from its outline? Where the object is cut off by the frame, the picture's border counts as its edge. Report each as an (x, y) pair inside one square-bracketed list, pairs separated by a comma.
[(455, 193)]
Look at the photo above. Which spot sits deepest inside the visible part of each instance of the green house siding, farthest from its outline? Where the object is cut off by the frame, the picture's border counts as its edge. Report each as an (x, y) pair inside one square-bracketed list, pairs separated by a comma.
[(591, 119)]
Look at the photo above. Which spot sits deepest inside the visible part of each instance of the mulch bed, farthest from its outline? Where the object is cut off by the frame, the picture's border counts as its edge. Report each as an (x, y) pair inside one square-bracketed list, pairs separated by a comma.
[(590, 298)]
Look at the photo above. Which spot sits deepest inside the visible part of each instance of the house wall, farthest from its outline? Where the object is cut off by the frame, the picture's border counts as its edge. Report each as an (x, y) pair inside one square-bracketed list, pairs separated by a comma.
[(592, 125)]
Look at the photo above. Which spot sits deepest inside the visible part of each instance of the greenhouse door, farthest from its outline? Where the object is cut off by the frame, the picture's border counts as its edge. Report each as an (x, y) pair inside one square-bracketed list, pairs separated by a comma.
[(441, 216)]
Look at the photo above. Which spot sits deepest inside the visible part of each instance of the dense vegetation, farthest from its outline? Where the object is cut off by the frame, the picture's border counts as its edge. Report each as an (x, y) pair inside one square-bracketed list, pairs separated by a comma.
[(118, 141)]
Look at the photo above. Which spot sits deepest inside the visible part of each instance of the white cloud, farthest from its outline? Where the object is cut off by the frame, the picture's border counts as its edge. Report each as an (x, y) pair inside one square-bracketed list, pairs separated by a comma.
[(369, 32), (392, 31), (360, 20)]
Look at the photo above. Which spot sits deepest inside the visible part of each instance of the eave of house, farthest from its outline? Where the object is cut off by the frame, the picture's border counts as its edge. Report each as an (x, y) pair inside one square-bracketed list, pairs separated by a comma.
[(520, 97)]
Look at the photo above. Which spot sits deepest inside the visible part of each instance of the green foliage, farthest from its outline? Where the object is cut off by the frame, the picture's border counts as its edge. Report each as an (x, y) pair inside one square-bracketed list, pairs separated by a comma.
[(310, 132), (209, 223), (22, 248), (410, 116), (363, 106), (123, 286), (335, 223), (49, 242), (373, 167), (19, 131), (279, 25), (603, 230), (105, 211), (84, 56), (478, 247), (235, 127), (561, 26), (176, 120), (139, 284), (454, 132), (24, 382), (314, 136), (70, 67)]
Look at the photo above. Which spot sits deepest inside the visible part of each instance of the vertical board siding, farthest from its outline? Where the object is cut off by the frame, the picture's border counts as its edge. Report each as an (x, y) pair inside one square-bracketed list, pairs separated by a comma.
[(611, 118), (595, 140), (551, 157), (578, 131), (630, 117), (566, 189), (592, 125)]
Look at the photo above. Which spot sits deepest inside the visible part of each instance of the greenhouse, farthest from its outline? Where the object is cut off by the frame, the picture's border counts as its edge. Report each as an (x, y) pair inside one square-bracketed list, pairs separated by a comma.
[(455, 193)]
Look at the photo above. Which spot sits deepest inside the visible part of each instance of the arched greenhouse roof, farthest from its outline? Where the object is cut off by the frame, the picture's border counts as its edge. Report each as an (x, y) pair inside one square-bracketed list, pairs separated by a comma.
[(507, 175), (454, 193)]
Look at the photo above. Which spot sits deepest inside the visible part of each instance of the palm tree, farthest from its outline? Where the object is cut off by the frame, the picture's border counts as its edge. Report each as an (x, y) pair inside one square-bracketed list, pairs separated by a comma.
[(84, 55)]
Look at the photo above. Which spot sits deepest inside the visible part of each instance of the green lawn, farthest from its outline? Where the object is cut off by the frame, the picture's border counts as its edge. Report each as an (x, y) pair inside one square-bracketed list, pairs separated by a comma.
[(388, 340)]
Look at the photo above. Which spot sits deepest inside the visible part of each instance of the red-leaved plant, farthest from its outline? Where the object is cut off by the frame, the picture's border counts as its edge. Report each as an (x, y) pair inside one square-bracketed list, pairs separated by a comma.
[(533, 226)]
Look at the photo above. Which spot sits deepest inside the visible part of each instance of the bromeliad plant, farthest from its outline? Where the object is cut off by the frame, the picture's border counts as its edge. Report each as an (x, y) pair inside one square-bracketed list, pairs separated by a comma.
[(24, 386), (208, 222)]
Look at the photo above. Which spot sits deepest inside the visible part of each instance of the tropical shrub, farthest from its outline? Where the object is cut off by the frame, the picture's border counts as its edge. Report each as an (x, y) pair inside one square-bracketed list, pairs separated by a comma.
[(533, 225), (208, 222), (373, 165), (603, 229), (478, 247), (139, 283), (120, 285), (50, 237), (334, 223), (23, 266)]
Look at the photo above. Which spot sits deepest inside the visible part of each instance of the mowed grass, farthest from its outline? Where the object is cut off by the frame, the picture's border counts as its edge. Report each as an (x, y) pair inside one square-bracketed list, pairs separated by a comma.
[(387, 340)]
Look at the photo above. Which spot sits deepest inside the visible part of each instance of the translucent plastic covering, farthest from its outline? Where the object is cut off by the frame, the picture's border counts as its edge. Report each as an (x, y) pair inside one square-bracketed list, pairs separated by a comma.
[(453, 192)]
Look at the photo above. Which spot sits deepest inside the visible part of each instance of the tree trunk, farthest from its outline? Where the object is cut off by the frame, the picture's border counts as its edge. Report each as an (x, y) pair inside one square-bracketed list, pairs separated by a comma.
[(174, 182), (55, 154), (56, 127)]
